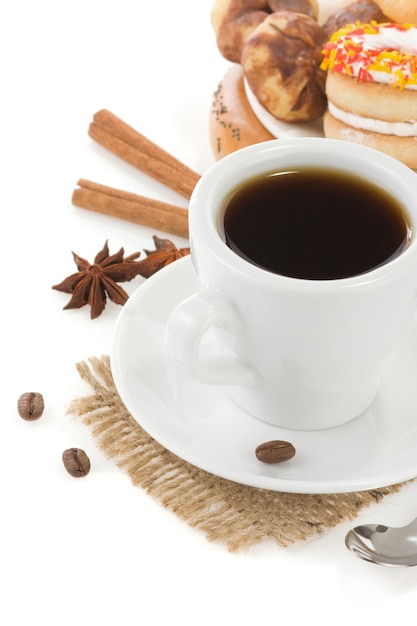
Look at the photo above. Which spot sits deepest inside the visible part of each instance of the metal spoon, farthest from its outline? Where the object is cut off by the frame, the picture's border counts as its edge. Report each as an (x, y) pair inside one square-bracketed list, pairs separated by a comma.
[(376, 543)]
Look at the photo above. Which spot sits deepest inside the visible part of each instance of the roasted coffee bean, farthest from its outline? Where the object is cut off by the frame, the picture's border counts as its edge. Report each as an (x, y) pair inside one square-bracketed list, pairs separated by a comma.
[(275, 451), (30, 406), (76, 462)]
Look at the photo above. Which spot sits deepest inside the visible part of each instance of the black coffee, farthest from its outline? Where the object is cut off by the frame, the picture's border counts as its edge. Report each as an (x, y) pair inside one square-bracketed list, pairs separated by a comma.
[(315, 224)]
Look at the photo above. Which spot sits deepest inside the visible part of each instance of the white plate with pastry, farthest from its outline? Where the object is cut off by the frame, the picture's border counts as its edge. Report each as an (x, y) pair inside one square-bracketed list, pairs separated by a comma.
[(343, 71)]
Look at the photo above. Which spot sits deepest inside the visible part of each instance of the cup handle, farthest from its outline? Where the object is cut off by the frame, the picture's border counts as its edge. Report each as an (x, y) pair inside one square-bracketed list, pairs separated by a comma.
[(187, 326)]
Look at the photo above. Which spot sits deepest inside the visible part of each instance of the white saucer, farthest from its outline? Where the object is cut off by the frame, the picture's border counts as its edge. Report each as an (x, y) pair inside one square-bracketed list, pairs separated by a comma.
[(203, 426)]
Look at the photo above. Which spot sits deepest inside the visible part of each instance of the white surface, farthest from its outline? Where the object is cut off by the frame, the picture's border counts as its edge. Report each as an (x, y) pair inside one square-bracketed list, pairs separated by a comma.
[(98, 550), (200, 423)]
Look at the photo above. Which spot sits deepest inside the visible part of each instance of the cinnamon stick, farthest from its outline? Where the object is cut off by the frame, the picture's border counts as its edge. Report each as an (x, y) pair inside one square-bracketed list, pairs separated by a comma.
[(134, 148), (131, 207)]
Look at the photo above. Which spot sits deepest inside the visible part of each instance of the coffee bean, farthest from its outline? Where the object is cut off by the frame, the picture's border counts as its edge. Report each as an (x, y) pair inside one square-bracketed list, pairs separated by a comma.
[(30, 406), (275, 451), (76, 462)]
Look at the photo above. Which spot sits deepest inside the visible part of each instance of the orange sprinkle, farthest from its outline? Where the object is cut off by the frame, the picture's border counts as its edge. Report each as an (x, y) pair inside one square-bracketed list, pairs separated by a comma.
[(345, 53)]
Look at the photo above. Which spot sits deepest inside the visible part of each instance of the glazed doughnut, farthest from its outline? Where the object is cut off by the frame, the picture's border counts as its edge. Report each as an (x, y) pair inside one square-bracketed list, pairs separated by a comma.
[(399, 10), (363, 11), (281, 64), (372, 88), (234, 20), (233, 124)]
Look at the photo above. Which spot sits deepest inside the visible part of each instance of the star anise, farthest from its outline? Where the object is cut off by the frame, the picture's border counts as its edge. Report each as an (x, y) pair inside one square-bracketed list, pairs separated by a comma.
[(165, 253), (94, 283)]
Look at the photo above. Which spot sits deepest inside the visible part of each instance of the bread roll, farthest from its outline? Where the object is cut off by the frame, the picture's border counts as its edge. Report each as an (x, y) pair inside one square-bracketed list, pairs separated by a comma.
[(281, 63), (234, 20), (399, 10)]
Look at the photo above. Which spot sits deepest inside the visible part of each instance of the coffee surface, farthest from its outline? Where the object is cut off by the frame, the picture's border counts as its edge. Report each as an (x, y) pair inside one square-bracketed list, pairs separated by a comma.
[(314, 224)]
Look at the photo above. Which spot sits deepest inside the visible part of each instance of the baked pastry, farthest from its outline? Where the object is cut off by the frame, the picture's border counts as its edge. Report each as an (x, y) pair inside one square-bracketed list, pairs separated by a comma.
[(281, 63), (400, 10), (363, 11), (234, 20), (233, 124), (372, 88)]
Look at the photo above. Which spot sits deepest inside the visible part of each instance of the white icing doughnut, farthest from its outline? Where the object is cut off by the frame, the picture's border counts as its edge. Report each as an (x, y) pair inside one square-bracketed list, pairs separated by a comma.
[(371, 88), (384, 53)]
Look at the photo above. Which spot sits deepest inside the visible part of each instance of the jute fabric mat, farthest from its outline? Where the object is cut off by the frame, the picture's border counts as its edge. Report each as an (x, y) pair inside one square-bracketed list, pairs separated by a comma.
[(236, 515)]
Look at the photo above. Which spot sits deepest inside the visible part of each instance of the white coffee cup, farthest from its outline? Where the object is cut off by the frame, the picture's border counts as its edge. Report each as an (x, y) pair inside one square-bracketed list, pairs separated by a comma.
[(301, 354)]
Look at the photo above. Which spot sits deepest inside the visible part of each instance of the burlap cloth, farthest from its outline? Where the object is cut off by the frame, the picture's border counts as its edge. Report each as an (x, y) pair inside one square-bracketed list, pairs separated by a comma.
[(236, 515)]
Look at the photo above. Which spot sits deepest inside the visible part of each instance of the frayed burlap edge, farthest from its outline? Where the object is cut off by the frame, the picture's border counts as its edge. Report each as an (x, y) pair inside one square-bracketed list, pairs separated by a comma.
[(236, 515)]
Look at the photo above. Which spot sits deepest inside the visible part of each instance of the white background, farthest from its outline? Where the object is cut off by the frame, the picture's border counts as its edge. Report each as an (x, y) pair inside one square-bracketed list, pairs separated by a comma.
[(98, 550)]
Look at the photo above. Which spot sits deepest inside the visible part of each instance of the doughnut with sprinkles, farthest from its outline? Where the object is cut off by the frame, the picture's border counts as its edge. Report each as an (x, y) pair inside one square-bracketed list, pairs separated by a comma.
[(371, 87)]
